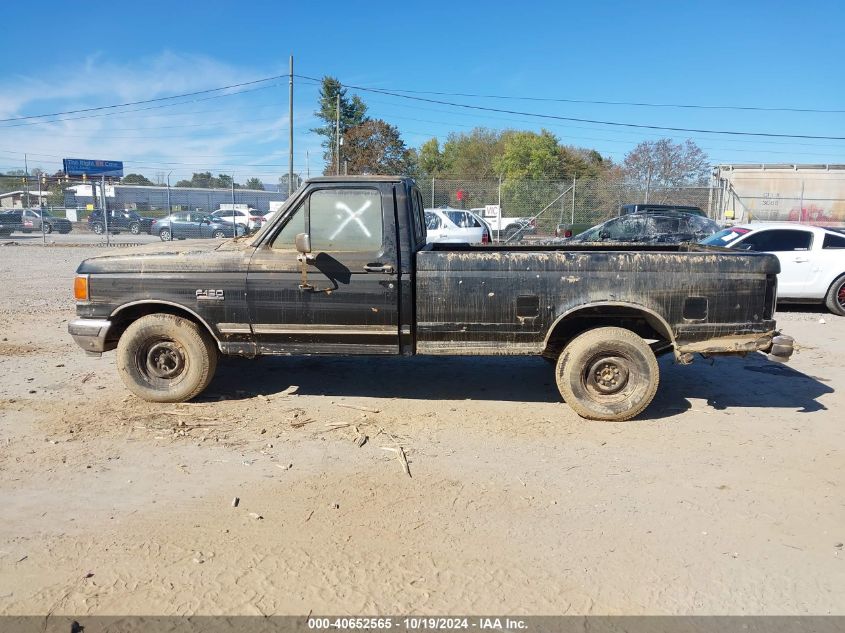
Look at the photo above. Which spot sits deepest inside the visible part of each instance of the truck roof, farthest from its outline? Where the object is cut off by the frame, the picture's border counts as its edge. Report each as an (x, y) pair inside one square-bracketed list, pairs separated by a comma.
[(357, 178)]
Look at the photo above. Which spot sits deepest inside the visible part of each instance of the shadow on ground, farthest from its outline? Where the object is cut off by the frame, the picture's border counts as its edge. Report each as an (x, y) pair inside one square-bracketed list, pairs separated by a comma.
[(727, 382)]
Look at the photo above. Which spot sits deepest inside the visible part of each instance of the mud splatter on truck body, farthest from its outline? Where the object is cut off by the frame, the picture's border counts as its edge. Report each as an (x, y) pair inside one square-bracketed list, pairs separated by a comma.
[(373, 286)]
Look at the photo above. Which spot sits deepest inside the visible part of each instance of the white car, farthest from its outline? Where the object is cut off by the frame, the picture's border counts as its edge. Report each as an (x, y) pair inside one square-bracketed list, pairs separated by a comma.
[(455, 226), (812, 259), (251, 219)]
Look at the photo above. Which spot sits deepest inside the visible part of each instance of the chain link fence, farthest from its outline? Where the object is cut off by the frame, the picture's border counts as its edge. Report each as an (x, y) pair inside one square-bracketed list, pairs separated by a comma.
[(61, 210), (585, 201)]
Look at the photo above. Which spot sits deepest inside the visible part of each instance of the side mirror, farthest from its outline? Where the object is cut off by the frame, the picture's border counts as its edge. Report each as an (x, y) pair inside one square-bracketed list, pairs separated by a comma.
[(303, 243)]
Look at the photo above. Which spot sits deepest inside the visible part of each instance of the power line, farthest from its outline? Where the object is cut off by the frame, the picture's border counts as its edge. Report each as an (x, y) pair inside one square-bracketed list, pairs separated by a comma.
[(581, 120), (622, 103), (131, 103)]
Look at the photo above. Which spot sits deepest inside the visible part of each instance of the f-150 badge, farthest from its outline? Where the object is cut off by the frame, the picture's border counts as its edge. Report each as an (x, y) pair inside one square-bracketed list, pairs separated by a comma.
[(210, 295)]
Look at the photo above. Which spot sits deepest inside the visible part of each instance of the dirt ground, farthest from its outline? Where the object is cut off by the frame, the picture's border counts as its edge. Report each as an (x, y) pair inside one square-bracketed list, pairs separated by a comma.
[(725, 497)]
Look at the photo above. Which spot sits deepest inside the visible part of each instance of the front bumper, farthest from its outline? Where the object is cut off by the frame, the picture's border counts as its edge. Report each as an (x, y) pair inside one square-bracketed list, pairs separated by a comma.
[(90, 334)]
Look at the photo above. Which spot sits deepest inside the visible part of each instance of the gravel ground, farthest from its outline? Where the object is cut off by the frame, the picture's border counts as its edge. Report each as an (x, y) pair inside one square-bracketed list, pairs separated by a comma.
[(725, 497)]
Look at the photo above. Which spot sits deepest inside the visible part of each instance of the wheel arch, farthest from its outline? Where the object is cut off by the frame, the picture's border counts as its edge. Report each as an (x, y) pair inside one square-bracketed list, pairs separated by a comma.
[(638, 318), (123, 316)]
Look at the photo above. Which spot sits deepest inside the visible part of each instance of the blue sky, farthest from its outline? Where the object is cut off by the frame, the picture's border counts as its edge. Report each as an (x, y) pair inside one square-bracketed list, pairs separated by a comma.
[(770, 54)]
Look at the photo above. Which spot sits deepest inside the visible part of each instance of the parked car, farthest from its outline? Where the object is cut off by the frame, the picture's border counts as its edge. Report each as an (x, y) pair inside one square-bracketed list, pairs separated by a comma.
[(29, 221), (251, 219), (508, 229), (367, 283), (193, 225), (812, 259), (571, 229), (10, 221), (648, 207), (51, 222), (119, 220), (654, 228), (456, 226)]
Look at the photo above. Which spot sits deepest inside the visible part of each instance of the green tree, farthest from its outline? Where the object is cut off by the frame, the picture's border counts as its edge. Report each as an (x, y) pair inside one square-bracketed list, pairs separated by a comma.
[(254, 183), (353, 111), (283, 182), (204, 180), (528, 156), (430, 160), (376, 147), (136, 179), (471, 154)]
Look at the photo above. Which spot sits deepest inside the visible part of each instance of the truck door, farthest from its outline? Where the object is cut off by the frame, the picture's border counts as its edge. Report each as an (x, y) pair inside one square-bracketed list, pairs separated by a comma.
[(349, 303)]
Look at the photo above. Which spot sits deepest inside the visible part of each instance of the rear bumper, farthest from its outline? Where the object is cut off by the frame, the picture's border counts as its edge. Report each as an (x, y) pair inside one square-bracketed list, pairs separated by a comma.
[(778, 346), (90, 334)]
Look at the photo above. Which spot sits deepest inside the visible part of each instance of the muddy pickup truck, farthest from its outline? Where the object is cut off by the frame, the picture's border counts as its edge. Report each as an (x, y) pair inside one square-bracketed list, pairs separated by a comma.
[(344, 268)]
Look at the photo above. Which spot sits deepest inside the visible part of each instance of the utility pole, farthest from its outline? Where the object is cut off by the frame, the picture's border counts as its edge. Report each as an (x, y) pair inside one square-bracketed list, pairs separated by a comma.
[(307, 165), (290, 133), (104, 205), (647, 185), (41, 212), (26, 182), (234, 224), (337, 138), (169, 208)]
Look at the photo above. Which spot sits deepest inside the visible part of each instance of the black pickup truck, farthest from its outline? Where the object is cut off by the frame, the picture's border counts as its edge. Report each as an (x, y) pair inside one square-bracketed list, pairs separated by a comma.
[(344, 268)]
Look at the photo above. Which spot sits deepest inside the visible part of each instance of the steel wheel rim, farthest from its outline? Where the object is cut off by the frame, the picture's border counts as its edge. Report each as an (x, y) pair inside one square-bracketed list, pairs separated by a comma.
[(162, 362), (607, 377)]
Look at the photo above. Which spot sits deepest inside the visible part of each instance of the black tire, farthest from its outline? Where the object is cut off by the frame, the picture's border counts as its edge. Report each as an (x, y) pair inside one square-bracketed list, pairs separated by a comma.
[(835, 299), (48, 228), (165, 358), (134, 228), (98, 228), (219, 234), (607, 373), (165, 235)]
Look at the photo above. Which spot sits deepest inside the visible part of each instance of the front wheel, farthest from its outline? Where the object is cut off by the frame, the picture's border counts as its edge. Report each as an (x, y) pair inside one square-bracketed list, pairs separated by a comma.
[(165, 235), (218, 234), (835, 299), (607, 373), (98, 228), (48, 228), (165, 358)]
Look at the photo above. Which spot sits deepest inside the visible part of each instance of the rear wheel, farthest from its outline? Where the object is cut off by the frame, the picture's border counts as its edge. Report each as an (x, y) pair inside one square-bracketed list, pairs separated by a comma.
[(165, 235), (134, 228), (607, 373), (835, 299), (48, 228), (165, 358), (218, 234)]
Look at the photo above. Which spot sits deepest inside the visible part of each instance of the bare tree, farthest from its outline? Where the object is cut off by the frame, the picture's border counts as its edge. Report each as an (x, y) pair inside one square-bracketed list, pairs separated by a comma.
[(667, 164)]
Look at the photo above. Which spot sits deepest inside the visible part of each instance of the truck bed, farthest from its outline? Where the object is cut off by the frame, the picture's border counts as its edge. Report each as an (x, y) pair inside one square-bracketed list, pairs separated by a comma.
[(506, 300)]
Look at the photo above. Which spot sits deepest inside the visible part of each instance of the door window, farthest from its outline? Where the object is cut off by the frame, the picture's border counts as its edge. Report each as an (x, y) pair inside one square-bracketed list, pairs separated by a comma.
[(777, 240), (348, 220), (432, 221)]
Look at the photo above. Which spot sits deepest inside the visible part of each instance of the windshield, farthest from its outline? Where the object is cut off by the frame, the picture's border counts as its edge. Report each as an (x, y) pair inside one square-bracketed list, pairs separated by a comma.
[(725, 237)]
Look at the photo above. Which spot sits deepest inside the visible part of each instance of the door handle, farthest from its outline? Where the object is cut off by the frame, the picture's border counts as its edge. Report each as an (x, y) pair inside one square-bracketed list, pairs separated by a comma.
[(800, 260), (378, 268)]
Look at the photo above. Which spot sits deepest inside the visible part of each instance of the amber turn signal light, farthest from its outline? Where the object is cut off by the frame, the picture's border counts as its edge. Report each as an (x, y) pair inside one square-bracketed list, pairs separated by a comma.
[(80, 288)]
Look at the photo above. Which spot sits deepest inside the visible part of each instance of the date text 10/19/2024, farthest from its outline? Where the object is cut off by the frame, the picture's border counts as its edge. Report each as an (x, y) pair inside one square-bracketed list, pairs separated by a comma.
[(417, 623)]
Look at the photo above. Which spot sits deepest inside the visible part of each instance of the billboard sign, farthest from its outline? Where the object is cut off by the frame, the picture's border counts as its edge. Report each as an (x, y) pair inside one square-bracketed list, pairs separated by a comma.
[(83, 166)]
